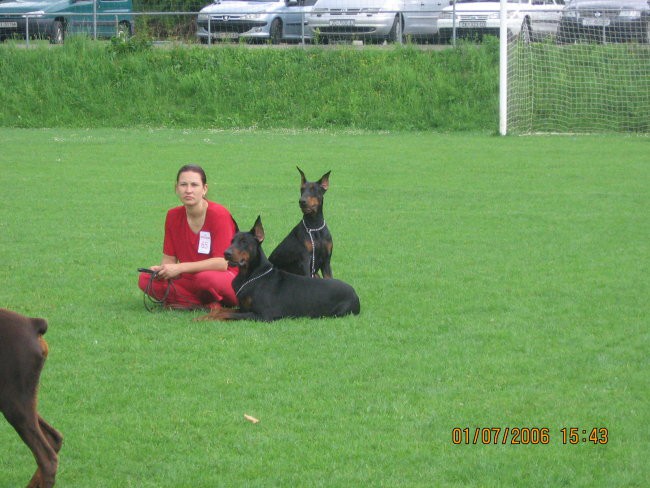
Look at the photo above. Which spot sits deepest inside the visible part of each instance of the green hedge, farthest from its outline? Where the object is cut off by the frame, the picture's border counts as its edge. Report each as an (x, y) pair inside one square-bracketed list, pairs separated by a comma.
[(125, 84)]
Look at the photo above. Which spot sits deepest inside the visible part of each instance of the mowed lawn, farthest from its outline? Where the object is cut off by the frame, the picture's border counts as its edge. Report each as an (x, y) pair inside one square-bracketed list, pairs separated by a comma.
[(504, 283)]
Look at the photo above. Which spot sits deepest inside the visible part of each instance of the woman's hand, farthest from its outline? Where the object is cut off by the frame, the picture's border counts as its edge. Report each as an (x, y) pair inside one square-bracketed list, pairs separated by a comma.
[(167, 271)]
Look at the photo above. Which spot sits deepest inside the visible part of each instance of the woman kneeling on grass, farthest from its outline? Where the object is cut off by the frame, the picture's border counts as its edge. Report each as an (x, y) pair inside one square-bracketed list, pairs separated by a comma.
[(193, 272)]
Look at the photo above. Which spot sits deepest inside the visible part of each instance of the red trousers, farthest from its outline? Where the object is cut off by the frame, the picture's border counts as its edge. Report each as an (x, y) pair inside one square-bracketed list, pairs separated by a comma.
[(192, 290)]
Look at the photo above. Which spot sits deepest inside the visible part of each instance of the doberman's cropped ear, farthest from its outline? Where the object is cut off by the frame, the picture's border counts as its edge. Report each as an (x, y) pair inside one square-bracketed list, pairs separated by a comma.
[(303, 180), (258, 230), (324, 181)]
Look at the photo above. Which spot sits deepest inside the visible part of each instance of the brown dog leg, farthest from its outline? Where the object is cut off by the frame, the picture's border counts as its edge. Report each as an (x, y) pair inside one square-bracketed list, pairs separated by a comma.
[(22, 355), (29, 430), (55, 440)]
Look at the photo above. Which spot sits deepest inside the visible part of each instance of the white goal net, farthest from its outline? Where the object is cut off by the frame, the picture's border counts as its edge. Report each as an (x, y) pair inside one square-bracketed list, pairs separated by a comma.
[(592, 76)]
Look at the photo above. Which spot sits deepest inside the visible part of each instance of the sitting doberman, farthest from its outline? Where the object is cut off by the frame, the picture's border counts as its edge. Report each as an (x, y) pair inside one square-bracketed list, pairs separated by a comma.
[(308, 247), (22, 355), (266, 293)]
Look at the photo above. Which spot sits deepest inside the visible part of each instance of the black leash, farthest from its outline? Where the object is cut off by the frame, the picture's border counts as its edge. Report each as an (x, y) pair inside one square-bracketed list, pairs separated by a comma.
[(151, 302)]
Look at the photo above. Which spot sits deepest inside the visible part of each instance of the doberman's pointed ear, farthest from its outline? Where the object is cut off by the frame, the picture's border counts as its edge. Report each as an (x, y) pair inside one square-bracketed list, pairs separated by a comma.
[(324, 181), (303, 180), (258, 230)]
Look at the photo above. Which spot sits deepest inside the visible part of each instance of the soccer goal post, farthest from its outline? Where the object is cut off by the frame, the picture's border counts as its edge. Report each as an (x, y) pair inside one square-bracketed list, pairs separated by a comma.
[(593, 76)]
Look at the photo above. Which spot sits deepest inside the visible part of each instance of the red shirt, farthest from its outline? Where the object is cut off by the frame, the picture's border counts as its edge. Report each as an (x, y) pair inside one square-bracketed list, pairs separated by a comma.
[(183, 244)]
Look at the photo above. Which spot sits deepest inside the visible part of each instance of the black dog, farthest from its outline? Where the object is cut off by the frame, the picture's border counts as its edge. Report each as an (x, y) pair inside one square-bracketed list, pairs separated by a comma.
[(266, 293), (22, 355), (308, 247)]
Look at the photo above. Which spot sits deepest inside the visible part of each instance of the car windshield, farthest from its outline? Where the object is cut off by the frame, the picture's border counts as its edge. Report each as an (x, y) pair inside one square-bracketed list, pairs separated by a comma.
[(490, 1)]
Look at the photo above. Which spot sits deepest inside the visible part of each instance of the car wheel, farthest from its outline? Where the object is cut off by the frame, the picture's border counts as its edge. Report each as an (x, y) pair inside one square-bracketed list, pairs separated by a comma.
[(275, 32), (58, 32), (526, 33), (396, 32)]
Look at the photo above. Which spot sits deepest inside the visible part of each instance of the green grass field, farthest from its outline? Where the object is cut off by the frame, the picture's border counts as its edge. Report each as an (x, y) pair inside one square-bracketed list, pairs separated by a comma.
[(504, 283)]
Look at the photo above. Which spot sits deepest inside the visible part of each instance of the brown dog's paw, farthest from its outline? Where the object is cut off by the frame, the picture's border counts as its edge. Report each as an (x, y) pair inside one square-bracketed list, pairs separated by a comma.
[(216, 314), (210, 316)]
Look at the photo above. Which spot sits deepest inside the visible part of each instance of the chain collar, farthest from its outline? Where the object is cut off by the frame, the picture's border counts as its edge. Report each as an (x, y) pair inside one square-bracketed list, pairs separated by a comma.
[(313, 248), (253, 279)]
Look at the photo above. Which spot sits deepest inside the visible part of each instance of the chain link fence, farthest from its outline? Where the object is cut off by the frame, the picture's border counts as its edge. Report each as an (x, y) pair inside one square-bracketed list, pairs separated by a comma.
[(325, 21)]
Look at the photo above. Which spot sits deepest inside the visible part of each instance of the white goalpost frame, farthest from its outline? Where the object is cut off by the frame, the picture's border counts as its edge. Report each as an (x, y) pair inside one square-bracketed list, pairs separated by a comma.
[(503, 69), (585, 78)]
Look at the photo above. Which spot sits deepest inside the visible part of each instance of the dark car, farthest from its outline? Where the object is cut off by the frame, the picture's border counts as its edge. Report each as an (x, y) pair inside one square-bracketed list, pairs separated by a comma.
[(55, 19), (605, 21)]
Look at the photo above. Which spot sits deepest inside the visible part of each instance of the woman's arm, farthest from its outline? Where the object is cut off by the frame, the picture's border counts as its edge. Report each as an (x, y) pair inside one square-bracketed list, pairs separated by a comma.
[(169, 267)]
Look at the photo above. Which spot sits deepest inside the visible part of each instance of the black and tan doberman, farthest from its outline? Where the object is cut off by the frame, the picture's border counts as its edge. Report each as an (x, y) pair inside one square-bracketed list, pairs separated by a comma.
[(308, 247), (22, 355), (266, 293)]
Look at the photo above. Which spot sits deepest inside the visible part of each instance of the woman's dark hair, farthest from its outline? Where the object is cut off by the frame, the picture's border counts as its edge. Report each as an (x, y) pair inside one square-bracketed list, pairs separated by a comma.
[(195, 168)]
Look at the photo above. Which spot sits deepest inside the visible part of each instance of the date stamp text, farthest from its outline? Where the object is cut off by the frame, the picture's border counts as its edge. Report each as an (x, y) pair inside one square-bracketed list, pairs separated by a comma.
[(529, 435)]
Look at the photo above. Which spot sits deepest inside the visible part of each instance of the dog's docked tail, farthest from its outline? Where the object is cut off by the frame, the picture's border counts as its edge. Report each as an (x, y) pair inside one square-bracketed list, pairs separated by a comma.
[(39, 325)]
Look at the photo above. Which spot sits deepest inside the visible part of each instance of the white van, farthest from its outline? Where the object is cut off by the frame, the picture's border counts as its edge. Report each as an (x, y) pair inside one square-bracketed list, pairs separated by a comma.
[(377, 20)]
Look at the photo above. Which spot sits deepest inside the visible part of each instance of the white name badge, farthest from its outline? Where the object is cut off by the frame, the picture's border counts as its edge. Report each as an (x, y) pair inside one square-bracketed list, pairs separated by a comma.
[(204, 242)]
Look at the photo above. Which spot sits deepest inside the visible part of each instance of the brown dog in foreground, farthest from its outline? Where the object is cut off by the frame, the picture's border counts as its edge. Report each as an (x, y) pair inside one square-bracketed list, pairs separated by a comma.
[(22, 355)]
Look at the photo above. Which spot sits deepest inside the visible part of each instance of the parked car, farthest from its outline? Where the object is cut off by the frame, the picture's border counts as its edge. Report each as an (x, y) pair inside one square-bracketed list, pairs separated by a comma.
[(55, 19), (605, 21), (532, 19), (274, 20), (377, 20)]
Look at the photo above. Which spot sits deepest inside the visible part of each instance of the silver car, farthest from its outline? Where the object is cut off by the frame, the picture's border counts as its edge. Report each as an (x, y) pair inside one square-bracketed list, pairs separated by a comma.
[(605, 21), (272, 20), (378, 20), (473, 19)]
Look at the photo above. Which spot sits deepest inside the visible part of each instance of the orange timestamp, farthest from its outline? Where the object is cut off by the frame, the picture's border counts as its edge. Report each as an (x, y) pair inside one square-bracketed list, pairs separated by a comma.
[(527, 435)]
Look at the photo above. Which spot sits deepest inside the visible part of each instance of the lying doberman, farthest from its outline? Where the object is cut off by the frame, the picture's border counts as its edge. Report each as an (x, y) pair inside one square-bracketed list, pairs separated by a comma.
[(266, 293), (22, 355), (308, 247)]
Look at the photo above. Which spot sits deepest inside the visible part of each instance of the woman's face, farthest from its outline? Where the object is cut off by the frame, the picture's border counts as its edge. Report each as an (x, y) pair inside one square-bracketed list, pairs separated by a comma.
[(190, 188)]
